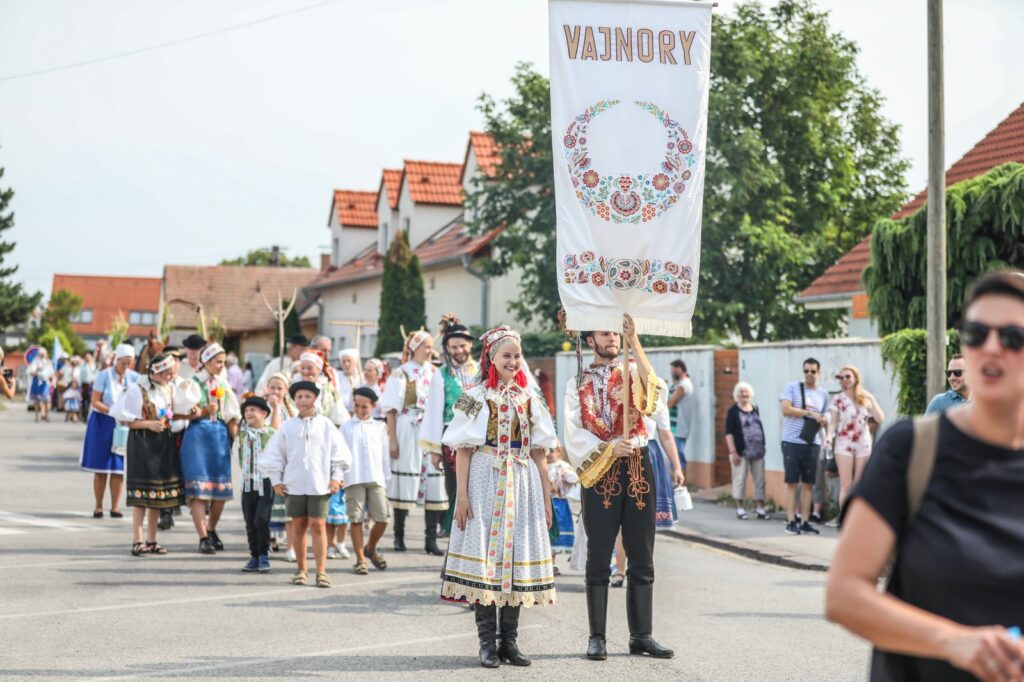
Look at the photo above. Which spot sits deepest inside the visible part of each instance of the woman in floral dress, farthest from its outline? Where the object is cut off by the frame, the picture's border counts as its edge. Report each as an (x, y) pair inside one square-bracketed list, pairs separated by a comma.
[(849, 433)]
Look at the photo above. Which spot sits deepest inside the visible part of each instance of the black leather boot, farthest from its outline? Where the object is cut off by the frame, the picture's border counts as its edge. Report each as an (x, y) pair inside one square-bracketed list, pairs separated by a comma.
[(487, 631), (597, 611), (640, 615), (399, 529), (508, 651), (430, 542)]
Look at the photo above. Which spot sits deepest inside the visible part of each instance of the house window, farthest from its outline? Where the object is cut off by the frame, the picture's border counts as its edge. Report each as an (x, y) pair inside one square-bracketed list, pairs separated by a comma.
[(355, 296), (407, 222), (144, 318), (335, 251), (384, 231), (432, 283), (82, 317)]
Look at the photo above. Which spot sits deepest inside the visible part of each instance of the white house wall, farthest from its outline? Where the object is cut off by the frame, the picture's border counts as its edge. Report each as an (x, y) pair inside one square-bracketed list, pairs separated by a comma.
[(351, 240), (424, 219), (337, 304)]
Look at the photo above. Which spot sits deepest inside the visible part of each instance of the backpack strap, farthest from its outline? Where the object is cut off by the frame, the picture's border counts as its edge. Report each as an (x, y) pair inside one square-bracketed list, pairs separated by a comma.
[(922, 462)]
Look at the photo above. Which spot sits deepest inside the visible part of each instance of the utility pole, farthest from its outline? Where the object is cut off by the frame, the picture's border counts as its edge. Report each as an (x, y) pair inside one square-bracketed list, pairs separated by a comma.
[(936, 309)]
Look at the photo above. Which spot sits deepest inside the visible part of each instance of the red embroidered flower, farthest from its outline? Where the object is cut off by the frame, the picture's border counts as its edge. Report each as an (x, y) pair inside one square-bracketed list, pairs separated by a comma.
[(659, 287), (504, 408), (685, 147), (591, 178), (597, 279), (603, 211), (569, 141), (660, 182), (587, 257)]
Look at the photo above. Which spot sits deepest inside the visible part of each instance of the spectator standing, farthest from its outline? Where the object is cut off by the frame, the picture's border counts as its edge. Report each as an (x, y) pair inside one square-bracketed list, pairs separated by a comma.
[(86, 375), (849, 431), (744, 436), (958, 392), (65, 374), (7, 381), (236, 378), (41, 373), (958, 579), (681, 407), (803, 409)]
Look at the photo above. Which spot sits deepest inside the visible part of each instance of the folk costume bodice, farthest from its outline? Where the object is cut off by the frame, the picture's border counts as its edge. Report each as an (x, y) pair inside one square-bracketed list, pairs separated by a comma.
[(149, 401), (216, 390), (407, 390)]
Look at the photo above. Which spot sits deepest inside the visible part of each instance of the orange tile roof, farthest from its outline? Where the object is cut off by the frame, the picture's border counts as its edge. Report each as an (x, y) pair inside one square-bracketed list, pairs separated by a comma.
[(433, 182), (444, 247), (355, 208), (1003, 143), (389, 182), (486, 153), (229, 292), (106, 295)]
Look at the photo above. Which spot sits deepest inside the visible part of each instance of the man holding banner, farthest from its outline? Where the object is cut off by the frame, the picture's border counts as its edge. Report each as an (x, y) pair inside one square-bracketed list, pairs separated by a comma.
[(629, 98)]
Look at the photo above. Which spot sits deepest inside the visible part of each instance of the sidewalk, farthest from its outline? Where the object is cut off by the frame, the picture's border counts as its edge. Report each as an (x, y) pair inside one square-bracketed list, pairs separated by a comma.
[(716, 525)]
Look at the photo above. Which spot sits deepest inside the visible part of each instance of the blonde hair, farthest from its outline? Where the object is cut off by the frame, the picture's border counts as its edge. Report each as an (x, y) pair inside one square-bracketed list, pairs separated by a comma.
[(860, 396), (739, 387)]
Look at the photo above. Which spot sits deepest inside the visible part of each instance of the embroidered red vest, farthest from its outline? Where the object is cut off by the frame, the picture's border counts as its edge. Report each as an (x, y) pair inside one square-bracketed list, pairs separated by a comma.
[(592, 411)]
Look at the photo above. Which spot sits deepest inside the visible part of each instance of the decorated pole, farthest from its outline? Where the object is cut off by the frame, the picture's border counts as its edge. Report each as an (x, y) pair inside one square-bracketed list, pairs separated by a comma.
[(280, 314)]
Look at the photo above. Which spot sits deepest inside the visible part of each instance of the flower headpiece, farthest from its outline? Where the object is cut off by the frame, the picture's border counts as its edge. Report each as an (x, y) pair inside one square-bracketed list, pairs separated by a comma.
[(161, 366), (211, 351), (493, 340)]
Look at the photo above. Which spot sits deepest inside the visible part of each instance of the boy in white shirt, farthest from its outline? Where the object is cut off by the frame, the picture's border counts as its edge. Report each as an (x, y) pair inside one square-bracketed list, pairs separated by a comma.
[(365, 493), (306, 463)]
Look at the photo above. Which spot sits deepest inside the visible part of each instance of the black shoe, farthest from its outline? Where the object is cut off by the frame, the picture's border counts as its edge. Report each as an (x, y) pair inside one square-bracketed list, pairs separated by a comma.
[(432, 548), (596, 649), (215, 540), (508, 651), (640, 616), (815, 517), (206, 547), (487, 631), (399, 529), (597, 614), (166, 521), (399, 544), (793, 528), (808, 528)]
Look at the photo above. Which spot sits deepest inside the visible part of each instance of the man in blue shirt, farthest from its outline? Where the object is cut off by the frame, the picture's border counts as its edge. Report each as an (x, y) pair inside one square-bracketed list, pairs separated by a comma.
[(958, 393), (800, 401)]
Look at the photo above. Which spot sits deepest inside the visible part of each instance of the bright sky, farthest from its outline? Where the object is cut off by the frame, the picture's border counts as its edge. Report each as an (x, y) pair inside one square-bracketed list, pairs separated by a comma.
[(205, 149)]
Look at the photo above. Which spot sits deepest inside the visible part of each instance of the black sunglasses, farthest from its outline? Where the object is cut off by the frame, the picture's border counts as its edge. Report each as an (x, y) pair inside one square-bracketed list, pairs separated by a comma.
[(810, 371), (974, 335), (954, 373)]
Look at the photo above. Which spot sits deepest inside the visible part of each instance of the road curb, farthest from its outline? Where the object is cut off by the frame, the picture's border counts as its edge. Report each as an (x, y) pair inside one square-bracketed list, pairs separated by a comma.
[(750, 551)]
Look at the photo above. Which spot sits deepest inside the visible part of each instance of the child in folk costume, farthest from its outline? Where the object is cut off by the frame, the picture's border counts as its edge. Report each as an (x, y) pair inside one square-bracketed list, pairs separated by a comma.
[(367, 439), (206, 447), (499, 554), (281, 410), (375, 377), (306, 463), (349, 375), (562, 479), (150, 407), (257, 492), (414, 480), (668, 471), (72, 397)]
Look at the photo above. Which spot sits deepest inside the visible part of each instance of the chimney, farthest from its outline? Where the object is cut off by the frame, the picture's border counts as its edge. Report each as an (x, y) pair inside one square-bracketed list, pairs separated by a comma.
[(325, 262)]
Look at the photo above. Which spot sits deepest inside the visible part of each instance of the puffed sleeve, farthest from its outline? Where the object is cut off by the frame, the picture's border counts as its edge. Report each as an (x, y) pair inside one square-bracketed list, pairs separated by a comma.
[(588, 454), (660, 414), (433, 417), (341, 455), (644, 401), (128, 406), (230, 411), (469, 422), (394, 393), (542, 428), (186, 396)]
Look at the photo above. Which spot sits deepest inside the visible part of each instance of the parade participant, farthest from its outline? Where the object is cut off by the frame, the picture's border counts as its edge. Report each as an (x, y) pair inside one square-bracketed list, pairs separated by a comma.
[(72, 395), (167, 515), (375, 377), (282, 409), (349, 377), (206, 447), (619, 489), (257, 492), (97, 455), (665, 460), (367, 440), (499, 555), (193, 344), (306, 463), (40, 389), (296, 346), (313, 367), (86, 375), (405, 398), (150, 407), (457, 372)]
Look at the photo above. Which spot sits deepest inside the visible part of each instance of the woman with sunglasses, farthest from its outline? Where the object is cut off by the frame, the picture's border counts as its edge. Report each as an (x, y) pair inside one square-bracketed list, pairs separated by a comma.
[(957, 586), (849, 431)]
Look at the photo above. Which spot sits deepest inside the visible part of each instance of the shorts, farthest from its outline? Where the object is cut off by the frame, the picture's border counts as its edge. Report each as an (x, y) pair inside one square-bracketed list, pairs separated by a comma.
[(800, 462), (313, 506), (367, 499)]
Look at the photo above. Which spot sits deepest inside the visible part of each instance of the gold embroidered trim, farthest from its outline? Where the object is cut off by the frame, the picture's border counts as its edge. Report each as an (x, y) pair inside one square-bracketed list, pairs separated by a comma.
[(596, 465), (430, 447), (647, 402), (480, 560), (468, 405), (463, 557), (456, 592)]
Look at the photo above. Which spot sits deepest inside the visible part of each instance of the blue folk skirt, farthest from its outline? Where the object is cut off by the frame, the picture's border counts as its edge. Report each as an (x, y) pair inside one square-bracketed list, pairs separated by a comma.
[(665, 514), (337, 512), (97, 456), (561, 532), (206, 460), (39, 390)]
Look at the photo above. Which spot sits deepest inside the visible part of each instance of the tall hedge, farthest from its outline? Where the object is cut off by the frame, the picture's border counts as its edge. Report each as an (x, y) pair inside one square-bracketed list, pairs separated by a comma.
[(402, 304)]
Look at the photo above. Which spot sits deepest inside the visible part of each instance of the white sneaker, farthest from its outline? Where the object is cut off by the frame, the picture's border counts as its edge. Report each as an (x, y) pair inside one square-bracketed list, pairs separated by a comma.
[(343, 551), (332, 552), (834, 523), (741, 514), (290, 556)]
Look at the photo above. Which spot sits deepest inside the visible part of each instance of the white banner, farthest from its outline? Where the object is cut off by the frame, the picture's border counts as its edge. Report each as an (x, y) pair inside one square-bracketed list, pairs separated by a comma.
[(629, 103)]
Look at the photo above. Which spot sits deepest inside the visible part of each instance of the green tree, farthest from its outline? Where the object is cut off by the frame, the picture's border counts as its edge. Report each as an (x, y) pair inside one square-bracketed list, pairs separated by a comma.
[(16, 304), (800, 163), (984, 229), (268, 258), (62, 306), (401, 297)]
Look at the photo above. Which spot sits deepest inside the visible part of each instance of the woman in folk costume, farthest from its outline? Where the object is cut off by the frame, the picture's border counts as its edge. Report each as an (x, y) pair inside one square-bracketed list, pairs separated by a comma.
[(349, 376), (314, 367), (403, 403), (154, 409), (97, 455), (206, 447), (499, 555), (375, 377), (282, 408)]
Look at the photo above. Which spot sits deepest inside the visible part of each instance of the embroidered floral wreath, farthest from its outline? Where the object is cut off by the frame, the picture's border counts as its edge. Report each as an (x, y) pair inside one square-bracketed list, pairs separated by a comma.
[(628, 198)]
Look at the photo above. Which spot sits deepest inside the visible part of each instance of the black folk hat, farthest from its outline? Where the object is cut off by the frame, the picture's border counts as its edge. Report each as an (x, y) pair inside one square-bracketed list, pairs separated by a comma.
[(256, 401), (194, 342), (303, 386)]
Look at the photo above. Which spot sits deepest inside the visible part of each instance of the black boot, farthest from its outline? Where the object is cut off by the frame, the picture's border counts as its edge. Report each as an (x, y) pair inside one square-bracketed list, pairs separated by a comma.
[(399, 529), (508, 651), (640, 614), (597, 611), (430, 543), (487, 630)]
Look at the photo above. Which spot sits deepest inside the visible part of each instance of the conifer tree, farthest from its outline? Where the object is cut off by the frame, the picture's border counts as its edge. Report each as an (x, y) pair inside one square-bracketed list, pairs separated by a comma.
[(16, 304), (401, 298)]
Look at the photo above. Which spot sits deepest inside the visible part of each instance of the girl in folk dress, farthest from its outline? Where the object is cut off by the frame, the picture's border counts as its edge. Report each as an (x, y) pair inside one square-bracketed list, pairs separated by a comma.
[(849, 433), (414, 480), (281, 410), (375, 377), (149, 407), (499, 554), (349, 378), (206, 447)]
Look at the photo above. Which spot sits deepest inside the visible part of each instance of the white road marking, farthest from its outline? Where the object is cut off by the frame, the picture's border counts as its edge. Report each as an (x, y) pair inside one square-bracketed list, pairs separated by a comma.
[(27, 520)]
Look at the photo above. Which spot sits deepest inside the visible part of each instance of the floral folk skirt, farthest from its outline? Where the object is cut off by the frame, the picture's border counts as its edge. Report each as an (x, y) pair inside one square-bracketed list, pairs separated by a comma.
[(153, 478)]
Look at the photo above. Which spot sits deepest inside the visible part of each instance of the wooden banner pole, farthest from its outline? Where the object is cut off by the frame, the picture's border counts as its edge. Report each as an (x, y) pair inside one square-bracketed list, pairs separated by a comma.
[(626, 398)]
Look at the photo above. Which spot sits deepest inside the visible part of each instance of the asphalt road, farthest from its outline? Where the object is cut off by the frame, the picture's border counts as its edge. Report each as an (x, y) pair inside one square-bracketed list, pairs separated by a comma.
[(76, 605)]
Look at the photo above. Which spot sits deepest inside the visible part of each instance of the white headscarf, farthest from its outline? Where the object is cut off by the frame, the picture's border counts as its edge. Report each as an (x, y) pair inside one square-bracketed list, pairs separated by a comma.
[(124, 350)]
